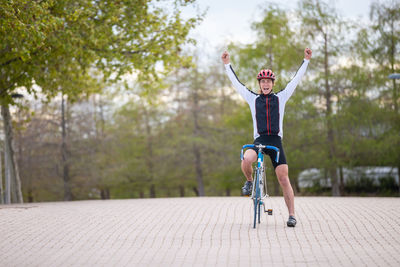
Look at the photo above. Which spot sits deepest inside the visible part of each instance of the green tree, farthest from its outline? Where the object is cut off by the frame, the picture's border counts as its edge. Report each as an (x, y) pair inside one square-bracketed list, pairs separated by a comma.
[(192, 119), (116, 37), (41, 41), (304, 126), (130, 163), (322, 24), (383, 47), (37, 137)]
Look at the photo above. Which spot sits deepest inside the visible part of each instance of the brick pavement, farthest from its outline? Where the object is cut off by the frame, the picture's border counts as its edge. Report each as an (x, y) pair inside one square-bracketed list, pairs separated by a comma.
[(210, 231)]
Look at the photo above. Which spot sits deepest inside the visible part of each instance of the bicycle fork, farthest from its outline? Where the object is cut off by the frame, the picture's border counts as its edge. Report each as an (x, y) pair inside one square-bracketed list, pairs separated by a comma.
[(257, 192)]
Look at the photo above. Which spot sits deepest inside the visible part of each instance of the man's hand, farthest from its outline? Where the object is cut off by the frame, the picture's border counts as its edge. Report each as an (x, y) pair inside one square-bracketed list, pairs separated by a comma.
[(225, 57), (307, 53)]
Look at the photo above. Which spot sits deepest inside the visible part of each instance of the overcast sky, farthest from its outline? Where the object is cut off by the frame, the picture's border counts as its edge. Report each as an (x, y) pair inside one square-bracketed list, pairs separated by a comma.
[(229, 20)]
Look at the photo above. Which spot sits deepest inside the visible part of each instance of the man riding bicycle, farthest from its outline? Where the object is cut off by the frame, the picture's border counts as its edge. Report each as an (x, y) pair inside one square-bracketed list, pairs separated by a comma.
[(267, 110)]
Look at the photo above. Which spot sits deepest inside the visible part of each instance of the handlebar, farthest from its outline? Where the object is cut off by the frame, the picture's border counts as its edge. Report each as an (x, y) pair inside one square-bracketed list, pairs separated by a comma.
[(260, 147)]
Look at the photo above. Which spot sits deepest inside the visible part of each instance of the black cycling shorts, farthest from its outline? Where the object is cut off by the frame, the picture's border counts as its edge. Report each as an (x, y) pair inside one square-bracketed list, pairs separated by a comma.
[(271, 140)]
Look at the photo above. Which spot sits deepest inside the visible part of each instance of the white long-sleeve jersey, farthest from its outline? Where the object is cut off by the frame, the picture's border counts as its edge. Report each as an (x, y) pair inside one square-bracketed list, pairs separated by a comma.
[(267, 111)]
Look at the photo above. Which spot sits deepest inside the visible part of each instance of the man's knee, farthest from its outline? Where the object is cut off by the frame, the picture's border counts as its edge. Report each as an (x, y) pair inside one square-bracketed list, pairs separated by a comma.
[(284, 180), (249, 157), (282, 172)]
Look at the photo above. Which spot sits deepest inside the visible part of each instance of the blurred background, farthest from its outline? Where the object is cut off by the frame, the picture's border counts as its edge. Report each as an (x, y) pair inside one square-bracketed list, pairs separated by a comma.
[(129, 99)]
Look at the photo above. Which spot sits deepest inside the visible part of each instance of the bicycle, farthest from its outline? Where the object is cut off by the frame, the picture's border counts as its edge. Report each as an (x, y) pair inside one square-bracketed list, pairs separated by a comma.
[(259, 181)]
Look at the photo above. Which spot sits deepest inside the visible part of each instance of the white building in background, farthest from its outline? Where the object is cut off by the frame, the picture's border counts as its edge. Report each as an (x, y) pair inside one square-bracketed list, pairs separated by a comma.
[(310, 177)]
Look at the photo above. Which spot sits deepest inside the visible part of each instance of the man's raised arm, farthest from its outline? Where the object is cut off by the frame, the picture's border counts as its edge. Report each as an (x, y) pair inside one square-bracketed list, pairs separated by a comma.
[(289, 89), (240, 88)]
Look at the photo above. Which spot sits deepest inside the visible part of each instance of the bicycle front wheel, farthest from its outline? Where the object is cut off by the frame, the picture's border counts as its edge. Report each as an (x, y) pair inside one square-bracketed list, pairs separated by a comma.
[(257, 198)]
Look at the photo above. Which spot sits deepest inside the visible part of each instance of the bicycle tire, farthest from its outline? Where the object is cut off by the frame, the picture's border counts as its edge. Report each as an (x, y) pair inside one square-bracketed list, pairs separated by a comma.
[(259, 195), (257, 199), (255, 212)]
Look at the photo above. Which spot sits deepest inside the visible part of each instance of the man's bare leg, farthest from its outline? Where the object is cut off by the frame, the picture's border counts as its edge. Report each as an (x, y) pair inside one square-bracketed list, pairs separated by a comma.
[(282, 172), (250, 156)]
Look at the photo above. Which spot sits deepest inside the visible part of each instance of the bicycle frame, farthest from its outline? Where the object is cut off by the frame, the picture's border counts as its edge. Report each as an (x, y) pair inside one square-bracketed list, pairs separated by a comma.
[(260, 183), (259, 176)]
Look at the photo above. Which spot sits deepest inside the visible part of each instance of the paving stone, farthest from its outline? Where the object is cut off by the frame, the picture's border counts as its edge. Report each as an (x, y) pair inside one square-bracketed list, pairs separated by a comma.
[(207, 231)]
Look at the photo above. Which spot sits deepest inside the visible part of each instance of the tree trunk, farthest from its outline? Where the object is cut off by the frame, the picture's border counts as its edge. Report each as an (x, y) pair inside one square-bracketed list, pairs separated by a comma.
[(1, 183), (105, 193), (14, 180), (64, 154), (20, 160), (196, 191), (150, 158), (398, 176), (199, 171), (228, 192), (395, 96), (98, 169), (181, 190), (30, 195), (196, 149), (330, 133), (152, 190), (392, 66), (7, 192), (341, 187)]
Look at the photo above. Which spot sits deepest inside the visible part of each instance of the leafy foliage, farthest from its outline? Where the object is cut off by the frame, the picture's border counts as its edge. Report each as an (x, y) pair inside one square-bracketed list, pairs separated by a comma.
[(166, 134), (44, 42)]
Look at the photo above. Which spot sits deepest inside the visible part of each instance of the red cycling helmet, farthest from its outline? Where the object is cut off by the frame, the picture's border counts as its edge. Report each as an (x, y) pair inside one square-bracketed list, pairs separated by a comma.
[(266, 74)]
